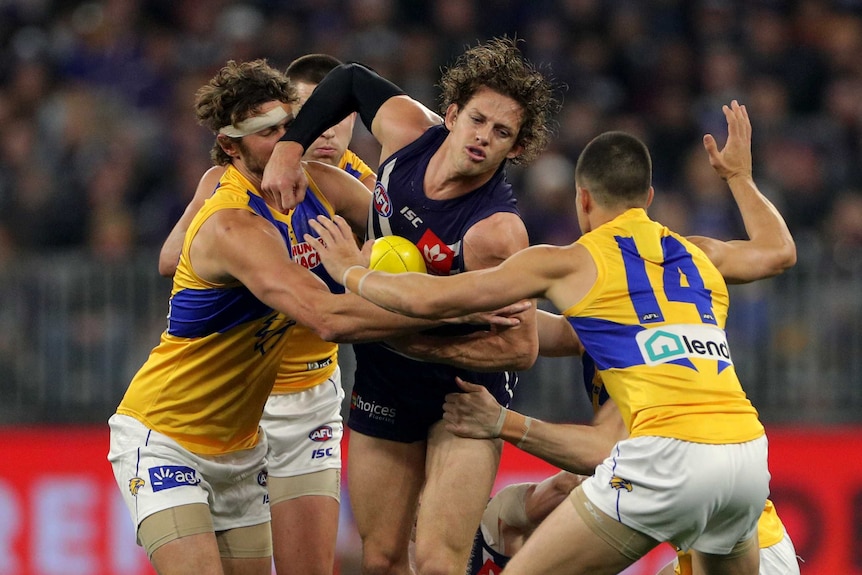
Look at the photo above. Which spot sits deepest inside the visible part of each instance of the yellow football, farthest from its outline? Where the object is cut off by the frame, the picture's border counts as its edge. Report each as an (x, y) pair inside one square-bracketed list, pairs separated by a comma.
[(395, 254)]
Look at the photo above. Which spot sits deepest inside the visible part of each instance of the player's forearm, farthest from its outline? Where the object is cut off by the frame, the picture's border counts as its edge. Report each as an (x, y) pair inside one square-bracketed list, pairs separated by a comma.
[(764, 225), (487, 352), (575, 448), (347, 88), (417, 295), (352, 320)]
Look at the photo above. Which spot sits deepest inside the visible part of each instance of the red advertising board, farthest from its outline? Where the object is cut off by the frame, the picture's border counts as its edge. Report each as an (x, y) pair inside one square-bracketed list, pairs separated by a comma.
[(60, 510)]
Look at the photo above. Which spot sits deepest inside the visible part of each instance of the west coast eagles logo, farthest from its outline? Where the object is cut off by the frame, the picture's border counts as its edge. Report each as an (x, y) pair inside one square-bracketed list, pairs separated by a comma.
[(135, 484), (619, 483)]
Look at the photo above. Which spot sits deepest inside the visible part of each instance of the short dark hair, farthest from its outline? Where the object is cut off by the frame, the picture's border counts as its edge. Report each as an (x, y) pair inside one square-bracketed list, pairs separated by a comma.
[(616, 168), (499, 66), (311, 68)]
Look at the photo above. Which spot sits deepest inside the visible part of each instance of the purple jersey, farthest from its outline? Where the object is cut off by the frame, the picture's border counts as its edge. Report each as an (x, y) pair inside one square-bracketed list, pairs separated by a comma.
[(395, 397)]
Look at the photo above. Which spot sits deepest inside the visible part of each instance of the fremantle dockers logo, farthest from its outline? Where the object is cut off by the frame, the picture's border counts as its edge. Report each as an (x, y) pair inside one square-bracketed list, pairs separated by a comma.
[(382, 204)]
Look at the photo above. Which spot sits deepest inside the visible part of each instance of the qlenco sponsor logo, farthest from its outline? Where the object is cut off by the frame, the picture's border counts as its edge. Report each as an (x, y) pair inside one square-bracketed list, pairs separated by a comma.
[(373, 409), (669, 343)]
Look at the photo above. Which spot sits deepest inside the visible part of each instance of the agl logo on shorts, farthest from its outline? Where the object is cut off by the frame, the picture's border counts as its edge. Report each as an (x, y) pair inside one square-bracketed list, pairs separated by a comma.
[(672, 342), (170, 476)]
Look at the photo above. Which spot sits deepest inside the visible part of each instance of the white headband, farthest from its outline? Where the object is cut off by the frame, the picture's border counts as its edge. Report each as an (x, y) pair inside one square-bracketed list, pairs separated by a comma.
[(254, 123)]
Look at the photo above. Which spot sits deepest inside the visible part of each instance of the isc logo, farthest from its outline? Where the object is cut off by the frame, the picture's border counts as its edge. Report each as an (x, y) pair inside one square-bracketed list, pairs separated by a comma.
[(321, 453), (321, 434)]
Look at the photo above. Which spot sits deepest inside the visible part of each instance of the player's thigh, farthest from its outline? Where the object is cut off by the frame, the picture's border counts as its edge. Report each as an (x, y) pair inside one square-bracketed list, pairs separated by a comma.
[(568, 542), (304, 532), (460, 473), (384, 479), (744, 559), (779, 559), (192, 554)]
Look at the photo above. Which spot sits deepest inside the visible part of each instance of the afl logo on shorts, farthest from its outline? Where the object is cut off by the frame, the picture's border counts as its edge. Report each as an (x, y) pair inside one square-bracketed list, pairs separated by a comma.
[(321, 434), (382, 205)]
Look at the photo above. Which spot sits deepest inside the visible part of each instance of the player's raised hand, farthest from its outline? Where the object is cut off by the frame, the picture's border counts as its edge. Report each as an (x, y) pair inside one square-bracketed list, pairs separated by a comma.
[(336, 246), (735, 158), (474, 413), (283, 178)]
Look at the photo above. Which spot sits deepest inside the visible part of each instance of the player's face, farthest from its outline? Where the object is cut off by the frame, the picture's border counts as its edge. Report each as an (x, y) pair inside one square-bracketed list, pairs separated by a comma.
[(255, 149), (331, 145), (484, 131)]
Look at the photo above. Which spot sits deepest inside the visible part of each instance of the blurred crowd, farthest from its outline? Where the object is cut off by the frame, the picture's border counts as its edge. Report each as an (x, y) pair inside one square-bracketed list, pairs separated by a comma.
[(100, 148)]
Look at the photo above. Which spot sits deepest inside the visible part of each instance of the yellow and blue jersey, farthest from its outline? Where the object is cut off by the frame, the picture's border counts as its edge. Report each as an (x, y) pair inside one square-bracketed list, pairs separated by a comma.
[(353, 165), (309, 360), (206, 382), (653, 325)]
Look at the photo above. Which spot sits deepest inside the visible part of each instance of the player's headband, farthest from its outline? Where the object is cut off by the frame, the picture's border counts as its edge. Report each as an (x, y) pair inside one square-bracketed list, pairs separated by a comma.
[(254, 123)]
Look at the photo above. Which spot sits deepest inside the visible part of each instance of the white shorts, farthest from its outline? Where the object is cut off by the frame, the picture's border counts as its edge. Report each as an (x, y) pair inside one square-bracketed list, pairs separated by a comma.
[(694, 495), (304, 429), (779, 559), (155, 473)]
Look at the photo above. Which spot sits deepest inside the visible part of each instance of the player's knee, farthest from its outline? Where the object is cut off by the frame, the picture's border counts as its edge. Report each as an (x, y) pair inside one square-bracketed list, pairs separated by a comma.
[(441, 562), (379, 562)]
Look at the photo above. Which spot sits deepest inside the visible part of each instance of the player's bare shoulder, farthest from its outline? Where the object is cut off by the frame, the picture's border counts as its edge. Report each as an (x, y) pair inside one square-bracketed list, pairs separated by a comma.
[(493, 239), (400, 121), (571, 270)]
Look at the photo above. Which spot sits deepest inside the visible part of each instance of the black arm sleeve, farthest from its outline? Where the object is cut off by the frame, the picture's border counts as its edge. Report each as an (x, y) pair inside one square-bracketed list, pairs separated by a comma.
[(347, 88)]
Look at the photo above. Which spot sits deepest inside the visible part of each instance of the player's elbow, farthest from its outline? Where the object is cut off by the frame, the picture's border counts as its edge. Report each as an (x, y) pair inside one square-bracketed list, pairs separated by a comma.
[(525, 355), (167, 267), (787, 256), (780, 259), (332, 328)]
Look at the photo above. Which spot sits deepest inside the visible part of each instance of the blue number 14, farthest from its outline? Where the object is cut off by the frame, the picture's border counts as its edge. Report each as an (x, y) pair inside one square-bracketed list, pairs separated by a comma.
[(677, 263)]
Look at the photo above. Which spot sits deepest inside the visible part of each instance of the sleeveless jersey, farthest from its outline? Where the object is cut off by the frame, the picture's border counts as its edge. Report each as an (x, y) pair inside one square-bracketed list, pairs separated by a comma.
[(309, 360), (437, 227), (206, 382), (653, 325), (770, 530)]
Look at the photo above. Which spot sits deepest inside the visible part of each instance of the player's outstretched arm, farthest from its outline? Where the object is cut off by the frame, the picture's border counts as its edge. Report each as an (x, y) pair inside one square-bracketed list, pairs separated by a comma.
[(485, 351), (576, 448), (563, 274), (770, 249), (170, 253)]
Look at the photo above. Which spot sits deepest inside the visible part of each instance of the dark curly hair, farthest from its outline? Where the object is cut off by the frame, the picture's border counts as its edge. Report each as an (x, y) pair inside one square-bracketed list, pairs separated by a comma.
[(499, 65), (235, 93)]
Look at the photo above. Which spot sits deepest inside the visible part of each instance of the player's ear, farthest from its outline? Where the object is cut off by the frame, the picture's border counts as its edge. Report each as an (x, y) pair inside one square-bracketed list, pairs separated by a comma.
[(516, 151), (451, 114), (227, 144), (650, 196), (585, 199)]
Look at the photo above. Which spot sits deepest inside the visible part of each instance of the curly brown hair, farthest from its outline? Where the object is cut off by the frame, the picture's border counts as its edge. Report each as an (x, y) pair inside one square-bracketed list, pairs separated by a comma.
[(499, 65), (235, 93)]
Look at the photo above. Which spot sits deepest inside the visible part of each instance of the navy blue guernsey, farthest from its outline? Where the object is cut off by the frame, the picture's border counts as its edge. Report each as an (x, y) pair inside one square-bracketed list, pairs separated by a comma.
[(483, 559), (437, 227)]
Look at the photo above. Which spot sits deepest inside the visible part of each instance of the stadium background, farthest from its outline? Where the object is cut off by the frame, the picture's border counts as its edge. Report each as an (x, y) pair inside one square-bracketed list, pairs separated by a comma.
[(99, 153)]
